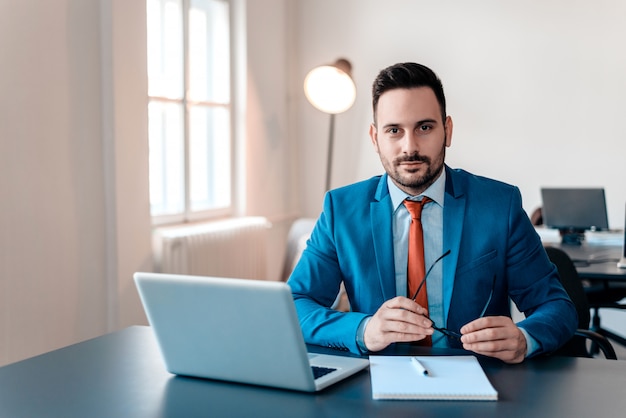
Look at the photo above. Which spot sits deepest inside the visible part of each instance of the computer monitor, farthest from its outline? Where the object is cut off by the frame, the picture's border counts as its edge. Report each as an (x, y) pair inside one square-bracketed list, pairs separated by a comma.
[(573, 211)]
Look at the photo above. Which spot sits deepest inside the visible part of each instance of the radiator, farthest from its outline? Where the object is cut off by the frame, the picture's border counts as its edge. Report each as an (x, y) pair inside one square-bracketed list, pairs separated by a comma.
[(230, 248)]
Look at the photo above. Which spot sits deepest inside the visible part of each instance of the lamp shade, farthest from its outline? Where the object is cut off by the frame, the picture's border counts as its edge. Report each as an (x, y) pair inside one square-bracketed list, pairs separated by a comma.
[(330, 88)]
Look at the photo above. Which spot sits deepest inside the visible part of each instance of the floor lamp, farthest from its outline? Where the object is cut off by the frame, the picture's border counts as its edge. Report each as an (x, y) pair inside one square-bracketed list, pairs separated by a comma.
[(330, 88)]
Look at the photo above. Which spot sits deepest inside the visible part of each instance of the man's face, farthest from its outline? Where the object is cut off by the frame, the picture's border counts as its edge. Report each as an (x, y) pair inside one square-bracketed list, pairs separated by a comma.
[(410, 137)]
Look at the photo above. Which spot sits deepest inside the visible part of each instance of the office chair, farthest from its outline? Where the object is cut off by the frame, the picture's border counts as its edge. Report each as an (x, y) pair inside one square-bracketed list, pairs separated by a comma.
[(296, 242), (605, 295), (577, 346), (599, 295), (297, 237)]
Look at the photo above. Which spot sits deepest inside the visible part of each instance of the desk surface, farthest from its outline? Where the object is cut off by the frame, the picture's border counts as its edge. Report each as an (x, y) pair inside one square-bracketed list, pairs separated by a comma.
[(122, 375)]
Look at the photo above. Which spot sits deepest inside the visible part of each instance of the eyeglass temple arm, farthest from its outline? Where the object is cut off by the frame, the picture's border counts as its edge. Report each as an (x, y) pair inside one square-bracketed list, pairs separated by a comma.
[(493, 285), (417, 292)]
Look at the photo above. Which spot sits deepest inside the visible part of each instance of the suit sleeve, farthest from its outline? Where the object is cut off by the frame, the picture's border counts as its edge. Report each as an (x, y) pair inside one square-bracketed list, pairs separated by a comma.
[(535, 288), (315, 283)]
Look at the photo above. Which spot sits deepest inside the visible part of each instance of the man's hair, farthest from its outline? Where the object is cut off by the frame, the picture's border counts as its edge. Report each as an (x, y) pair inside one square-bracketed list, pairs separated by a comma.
[(408, 75)]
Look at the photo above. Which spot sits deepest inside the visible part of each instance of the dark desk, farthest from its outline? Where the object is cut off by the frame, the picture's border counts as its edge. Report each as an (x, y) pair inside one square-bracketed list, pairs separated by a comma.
[(122, 375), (596, 262)]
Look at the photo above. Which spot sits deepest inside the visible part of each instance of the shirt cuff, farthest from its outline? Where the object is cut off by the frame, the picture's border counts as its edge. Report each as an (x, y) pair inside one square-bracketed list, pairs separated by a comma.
[(531, 344), (360, 335)]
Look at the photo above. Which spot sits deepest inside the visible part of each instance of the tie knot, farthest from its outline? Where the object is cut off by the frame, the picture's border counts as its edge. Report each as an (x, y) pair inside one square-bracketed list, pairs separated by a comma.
[(415, 207)]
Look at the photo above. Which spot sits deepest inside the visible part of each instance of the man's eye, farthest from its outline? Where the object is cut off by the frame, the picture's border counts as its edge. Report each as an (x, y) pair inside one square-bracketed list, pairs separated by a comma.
[(394, 131), (424, 128)]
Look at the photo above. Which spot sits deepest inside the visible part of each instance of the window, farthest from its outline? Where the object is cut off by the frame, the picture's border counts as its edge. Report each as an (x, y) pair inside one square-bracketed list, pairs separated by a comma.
[(189, 110)]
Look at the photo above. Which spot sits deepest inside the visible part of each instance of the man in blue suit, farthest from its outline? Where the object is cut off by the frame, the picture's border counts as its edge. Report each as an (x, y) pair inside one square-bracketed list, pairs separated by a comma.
[(479, 246)]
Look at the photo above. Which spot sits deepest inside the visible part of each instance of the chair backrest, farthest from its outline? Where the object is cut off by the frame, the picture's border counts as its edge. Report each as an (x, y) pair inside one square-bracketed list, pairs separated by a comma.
[(537, 217), (572, 284), (296, 241), (577, 346)]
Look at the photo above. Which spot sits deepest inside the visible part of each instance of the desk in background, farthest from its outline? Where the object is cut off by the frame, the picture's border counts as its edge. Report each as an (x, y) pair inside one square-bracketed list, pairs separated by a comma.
[(596, 258), (596, 262), (122, 375)]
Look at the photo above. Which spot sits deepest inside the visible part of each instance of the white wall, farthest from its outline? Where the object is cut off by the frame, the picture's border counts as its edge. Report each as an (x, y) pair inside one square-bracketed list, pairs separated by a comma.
[(272, 173), (74, 216), (124, 128), (536, 89), (52, 276)]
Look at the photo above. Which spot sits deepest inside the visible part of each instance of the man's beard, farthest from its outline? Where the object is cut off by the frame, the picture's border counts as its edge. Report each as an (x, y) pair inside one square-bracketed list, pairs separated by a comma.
[(422, 182)]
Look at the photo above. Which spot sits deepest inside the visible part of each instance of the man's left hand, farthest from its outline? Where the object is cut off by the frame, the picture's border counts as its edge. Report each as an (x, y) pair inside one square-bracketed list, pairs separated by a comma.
[(495, 336)]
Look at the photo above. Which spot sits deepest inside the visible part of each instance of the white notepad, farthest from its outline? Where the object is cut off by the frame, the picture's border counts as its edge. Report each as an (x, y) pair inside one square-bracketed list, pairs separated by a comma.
[(449, 378)]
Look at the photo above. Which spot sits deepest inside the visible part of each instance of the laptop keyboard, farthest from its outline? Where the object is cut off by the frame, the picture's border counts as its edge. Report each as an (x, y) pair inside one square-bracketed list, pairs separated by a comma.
[(321, 371)]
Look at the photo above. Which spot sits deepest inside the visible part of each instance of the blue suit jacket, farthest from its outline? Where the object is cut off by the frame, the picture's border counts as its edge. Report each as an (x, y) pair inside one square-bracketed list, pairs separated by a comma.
[(488, 233)]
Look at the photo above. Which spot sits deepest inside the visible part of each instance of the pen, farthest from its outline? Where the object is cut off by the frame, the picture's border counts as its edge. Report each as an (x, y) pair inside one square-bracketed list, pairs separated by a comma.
[(419, 366)]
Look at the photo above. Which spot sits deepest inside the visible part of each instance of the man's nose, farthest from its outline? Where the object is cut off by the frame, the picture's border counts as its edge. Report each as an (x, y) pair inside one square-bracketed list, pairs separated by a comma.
[(410, 143)]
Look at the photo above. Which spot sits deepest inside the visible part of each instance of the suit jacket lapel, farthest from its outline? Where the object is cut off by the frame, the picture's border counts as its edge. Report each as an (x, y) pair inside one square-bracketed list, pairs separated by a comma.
[(382, 234), (453, 215)]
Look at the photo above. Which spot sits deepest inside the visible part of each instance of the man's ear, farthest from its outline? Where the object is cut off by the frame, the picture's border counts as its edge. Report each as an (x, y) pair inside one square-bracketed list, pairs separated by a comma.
[(374, 136), (448, 126)]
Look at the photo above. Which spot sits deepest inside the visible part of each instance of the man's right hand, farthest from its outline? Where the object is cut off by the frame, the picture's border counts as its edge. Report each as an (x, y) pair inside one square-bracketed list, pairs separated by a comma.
[(398, 320)]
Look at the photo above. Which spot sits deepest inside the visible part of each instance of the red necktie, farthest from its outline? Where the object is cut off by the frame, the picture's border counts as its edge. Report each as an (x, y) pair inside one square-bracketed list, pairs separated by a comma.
[(416, 267)]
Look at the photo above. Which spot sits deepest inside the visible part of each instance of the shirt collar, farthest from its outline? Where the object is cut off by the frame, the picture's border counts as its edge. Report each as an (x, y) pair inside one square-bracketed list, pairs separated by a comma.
[(436, 191)]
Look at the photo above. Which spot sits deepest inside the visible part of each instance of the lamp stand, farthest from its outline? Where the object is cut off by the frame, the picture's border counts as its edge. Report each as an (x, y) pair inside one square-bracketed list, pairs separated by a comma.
[(329, 159)]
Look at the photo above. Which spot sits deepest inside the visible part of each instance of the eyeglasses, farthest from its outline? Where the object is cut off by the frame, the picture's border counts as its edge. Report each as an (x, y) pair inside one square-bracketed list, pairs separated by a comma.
[(449, 333)]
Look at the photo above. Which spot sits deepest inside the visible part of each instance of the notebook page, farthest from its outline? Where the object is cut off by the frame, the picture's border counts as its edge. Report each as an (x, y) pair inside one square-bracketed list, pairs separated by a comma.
[(449, 378)]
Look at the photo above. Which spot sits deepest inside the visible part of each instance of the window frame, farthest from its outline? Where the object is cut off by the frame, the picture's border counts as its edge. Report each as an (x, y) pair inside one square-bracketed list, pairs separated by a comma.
[(187, 103)]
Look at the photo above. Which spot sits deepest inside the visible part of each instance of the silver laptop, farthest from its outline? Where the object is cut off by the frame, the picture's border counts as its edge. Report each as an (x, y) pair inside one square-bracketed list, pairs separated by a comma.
[(237, 330)]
